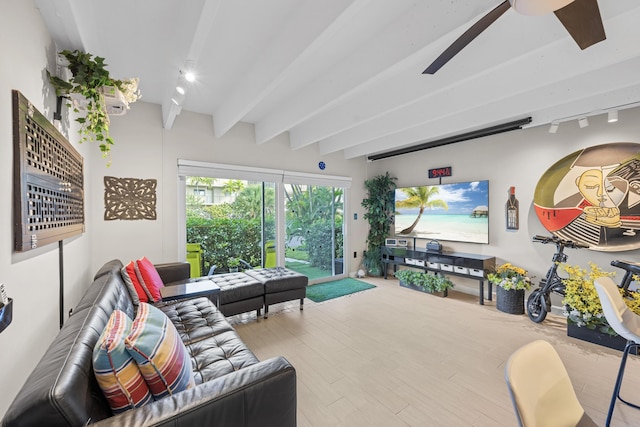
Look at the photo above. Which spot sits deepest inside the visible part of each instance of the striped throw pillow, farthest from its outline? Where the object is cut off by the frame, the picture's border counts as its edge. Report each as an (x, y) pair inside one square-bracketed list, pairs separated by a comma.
[(161, 355), (116, 371)]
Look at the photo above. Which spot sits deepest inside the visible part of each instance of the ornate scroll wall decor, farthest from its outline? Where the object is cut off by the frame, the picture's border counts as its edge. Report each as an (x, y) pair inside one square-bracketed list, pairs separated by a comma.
[(48, 180), (129, 198)]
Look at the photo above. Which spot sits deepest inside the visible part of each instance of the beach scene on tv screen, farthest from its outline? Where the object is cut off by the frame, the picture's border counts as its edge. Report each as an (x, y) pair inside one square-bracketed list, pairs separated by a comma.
[(455, 212)]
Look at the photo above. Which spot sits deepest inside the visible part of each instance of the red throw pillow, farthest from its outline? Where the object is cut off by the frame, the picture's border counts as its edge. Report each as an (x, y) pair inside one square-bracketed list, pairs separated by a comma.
[(150, 278), (132, 277)]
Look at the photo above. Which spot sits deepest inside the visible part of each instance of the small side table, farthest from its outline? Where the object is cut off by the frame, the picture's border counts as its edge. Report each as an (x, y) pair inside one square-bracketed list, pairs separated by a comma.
[(201, 288)]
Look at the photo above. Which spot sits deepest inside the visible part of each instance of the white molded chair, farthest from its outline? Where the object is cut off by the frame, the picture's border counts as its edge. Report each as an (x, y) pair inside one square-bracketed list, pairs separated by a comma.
[(626, 324), (541, 390)]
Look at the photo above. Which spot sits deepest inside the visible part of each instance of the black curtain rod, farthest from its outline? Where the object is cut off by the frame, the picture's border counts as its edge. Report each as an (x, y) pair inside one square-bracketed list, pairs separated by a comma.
[(493, 130)]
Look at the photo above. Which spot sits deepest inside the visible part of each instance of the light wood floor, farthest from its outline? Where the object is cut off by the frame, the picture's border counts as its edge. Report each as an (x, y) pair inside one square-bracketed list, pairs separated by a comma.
[(392, 356)]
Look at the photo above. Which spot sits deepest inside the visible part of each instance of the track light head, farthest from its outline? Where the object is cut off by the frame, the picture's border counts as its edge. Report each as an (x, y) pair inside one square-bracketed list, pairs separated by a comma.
[(583, 122)]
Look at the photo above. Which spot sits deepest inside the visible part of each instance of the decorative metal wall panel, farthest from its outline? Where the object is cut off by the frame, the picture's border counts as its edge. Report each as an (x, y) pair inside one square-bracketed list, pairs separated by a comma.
[(48, 180), (129, 198)]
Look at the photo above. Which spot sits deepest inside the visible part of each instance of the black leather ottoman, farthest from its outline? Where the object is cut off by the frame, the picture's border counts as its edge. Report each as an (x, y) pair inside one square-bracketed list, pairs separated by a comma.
[(280, 285), (239, 293)]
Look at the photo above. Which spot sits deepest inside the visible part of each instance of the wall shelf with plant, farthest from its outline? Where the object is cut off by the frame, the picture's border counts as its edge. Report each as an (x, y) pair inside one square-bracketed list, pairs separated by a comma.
[(92, 90)]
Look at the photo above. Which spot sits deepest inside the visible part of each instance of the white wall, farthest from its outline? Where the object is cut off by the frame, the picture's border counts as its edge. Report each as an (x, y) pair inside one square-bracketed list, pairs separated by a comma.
[(145, 150), (517, 159), (31, 278)]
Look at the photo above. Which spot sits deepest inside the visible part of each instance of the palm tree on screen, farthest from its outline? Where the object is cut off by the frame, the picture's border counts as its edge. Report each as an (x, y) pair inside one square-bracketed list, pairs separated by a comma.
[(420, 197)]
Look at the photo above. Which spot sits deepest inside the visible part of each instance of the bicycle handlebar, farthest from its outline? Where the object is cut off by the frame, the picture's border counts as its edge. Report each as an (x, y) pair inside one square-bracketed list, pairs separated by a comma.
[(557, 240)]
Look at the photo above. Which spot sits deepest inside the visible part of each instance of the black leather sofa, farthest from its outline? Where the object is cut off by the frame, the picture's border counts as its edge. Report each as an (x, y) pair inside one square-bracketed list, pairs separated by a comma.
[(232, 388)]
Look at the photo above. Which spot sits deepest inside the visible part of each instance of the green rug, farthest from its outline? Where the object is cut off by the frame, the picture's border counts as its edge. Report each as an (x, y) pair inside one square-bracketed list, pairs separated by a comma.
[(337, 288)]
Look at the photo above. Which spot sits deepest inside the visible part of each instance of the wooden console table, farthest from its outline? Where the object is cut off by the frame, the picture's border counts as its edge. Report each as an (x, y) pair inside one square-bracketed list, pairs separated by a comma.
[(470, 266)]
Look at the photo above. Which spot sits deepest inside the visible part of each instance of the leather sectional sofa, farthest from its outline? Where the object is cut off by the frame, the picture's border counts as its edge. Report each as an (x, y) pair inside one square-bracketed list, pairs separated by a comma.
[(232, 387)]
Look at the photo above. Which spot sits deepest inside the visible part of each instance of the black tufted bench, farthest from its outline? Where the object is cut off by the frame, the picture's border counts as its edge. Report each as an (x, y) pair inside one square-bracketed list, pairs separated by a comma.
[(280, 285), (246, 291), (239, 293)]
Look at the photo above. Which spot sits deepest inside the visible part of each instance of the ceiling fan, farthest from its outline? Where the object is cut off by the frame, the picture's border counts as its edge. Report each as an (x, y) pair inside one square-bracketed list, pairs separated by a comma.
[(581, 18)]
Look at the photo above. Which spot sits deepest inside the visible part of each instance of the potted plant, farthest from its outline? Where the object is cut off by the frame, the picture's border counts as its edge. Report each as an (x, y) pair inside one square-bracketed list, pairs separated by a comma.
[(380, 205), (233, 264), (585, 319), (511, 283), (424, 282), (87, 89)]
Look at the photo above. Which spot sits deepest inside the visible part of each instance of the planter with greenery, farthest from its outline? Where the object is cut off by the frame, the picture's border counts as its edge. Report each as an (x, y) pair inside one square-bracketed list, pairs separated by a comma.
[(424, 282), (585, 318), (380, 205), (233, 264), (511, 282), (86, 89)]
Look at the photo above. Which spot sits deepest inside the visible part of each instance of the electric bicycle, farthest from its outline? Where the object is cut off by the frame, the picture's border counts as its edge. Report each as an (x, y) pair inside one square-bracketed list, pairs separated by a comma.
[(539, 302)]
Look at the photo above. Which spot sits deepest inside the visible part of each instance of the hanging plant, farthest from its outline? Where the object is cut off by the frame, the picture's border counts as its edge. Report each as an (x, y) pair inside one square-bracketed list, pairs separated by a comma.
[(86, 90)]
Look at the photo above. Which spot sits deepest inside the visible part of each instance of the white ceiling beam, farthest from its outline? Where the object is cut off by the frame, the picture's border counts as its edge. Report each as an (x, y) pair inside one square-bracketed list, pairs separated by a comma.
[(380, 55), (309, 25), (569, 97), (62, 23), (510, 80), (205, 23)]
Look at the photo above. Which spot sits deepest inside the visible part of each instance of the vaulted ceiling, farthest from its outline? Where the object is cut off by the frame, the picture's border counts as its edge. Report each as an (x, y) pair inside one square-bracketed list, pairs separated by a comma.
[(346, 75)]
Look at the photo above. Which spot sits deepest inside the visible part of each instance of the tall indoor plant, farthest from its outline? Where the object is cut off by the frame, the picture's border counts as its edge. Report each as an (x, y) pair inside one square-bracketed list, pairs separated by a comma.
[(90, 80), (380, 206)]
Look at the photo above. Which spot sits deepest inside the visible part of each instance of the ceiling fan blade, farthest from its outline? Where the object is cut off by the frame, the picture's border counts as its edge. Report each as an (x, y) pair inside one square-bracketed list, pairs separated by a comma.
[(467, 37), (583, 21)]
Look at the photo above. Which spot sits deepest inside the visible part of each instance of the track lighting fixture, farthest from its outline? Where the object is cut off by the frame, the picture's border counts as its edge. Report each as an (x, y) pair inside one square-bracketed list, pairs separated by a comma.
[(554, 127), (612, 116), (583, 122)]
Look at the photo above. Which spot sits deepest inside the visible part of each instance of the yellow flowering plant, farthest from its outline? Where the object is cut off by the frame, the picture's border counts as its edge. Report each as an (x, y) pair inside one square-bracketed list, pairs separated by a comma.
[(509, 277), (581, 302)]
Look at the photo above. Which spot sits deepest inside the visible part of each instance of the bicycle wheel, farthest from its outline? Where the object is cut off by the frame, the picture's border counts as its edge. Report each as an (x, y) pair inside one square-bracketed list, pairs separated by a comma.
[(535, 308)]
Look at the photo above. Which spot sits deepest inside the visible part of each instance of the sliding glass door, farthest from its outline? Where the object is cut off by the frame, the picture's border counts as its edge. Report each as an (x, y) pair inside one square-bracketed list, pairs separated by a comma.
[(265, 217), (231, 220), (314, 235)]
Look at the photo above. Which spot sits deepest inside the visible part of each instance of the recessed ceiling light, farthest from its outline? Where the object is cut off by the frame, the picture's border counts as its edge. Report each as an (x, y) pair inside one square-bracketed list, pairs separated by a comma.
[(613, 116), (175, 101), (190, 77), (180, 90), (554, 127)]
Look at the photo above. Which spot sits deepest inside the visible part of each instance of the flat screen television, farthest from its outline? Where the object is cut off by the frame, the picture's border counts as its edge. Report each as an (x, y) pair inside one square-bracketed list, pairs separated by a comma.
[(456, 212)]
